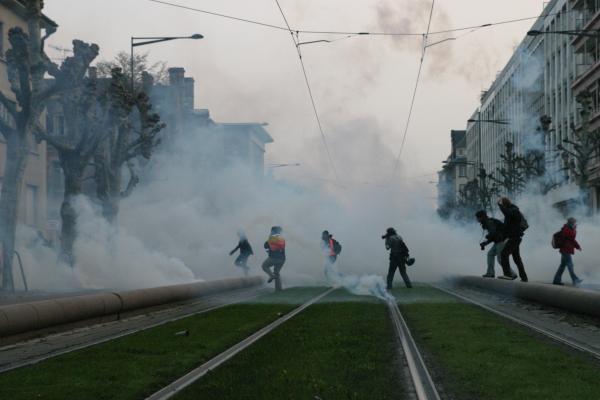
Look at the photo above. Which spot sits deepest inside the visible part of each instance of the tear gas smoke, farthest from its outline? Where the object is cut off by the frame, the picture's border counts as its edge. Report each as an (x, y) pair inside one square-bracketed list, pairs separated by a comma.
[(181, 224)]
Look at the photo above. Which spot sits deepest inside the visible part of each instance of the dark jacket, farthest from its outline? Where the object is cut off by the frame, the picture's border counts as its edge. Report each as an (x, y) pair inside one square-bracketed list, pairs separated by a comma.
[(495, 229), (512, 221), (244, 248), (396, 246), (569, 243)]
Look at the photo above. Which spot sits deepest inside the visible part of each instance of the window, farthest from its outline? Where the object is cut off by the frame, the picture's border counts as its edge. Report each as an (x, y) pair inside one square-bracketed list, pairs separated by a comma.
[(60, 128), (462, 171), (31, 200), (50, 123), (1, 40)]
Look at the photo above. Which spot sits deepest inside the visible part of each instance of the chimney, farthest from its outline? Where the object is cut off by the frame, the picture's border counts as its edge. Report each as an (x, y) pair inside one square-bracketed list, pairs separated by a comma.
[(176, 76), (188, 93)]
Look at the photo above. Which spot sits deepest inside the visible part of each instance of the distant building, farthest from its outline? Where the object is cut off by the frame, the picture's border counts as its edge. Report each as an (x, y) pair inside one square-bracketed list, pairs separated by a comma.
[(453, 177), (32, 206)]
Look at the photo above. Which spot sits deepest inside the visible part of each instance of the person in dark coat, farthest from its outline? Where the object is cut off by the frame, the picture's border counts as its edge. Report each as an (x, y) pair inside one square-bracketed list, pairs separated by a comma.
[(568, 244), (514, 229), (328, 246), (245, 252), (495, 235), (399, 254)]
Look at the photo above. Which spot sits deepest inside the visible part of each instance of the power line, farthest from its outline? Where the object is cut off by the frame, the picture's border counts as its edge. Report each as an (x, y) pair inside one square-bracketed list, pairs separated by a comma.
[(366, 33), (249, 21), (414, 95), (310, 93)]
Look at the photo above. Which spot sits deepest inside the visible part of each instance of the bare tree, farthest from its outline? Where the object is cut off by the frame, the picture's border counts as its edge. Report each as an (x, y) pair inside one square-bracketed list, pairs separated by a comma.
[(141, 65), (135, 136), (91, 113), (27, 65)]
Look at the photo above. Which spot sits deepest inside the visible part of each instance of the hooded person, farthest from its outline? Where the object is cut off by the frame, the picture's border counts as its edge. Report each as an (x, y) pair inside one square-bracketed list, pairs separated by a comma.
[(245, 252), (568, 244), (399, 257), (495, 235), (331, 247), (275, 247), (514, 229)]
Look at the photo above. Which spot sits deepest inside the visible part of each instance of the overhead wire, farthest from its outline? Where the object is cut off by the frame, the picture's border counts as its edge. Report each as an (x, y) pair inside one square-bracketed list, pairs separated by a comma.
[(296, 41), (414, 94)]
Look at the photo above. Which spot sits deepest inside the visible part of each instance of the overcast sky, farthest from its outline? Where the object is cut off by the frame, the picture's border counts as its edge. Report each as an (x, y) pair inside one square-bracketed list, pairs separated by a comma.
[(362, 85)]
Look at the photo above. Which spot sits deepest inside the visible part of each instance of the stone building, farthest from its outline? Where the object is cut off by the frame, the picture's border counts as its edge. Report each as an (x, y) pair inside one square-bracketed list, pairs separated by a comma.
[(453, 177)]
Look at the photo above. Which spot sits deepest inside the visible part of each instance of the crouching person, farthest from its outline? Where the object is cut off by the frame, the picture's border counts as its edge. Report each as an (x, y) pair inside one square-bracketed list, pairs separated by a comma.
[(399, 255), (494, 235), (275, 246)]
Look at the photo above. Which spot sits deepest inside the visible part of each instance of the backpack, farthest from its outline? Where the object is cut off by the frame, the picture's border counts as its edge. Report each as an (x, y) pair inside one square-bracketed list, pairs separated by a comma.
[(558, 239), (524, 225), (337, 247)]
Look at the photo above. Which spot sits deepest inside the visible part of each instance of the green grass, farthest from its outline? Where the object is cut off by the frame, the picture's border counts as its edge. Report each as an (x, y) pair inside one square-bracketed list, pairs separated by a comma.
[(482, 356), (332, 350), (135, 366)]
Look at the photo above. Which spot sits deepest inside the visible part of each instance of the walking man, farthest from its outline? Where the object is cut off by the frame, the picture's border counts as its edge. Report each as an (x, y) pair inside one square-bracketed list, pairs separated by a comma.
[(275, 246), (245, 252), (399, 255), (494, 235), (514, 229), (331, 247), (567, 246)]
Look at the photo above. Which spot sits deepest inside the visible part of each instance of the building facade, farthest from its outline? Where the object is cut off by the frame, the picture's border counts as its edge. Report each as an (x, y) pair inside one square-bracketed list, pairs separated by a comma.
[(453, 177), (32, 206), (587, 74)]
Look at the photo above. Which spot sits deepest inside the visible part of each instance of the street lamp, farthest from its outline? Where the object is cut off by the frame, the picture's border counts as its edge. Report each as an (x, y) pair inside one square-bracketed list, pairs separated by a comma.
[(135, 42)]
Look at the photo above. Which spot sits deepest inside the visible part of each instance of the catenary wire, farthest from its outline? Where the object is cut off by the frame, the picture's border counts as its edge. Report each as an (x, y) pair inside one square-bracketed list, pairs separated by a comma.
[(332, 32), (310, 93), (414, 95)]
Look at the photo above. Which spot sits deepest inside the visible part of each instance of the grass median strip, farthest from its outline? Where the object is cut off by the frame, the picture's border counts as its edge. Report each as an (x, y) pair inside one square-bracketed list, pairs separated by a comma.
[(478, 355), (137, 365), (340, 349)]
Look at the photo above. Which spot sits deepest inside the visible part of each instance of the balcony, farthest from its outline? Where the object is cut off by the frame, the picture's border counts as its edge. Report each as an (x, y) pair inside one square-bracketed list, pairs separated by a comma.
[(589, 20), (587, 74)]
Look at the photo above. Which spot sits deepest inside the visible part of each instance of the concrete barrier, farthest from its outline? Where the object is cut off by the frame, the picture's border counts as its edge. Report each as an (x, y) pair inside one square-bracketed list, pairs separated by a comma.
[(577, 300), (30, 316)]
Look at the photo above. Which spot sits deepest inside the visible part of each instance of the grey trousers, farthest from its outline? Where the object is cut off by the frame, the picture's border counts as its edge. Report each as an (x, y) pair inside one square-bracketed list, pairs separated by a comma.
[(493, 255), (277, 264)]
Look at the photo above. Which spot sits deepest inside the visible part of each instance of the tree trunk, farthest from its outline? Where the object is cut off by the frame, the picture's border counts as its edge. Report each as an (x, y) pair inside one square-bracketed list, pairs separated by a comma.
[(73, 172), (111, 202), (12, 183)]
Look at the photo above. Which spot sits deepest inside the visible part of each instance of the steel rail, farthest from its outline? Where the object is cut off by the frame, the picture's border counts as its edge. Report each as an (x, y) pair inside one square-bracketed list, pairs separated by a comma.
[(192, 376), (423, 383), (552, 335), (37, 359)]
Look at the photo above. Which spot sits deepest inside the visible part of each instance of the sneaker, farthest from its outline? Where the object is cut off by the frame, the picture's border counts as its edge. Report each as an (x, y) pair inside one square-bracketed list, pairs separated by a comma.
[(487, 276), (577, 281), (507, 278), (270, 279), (524, 280)]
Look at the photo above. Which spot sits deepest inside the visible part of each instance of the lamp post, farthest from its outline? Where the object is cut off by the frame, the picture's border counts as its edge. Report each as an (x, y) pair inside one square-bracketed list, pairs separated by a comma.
[(593, 33), (143, 41)]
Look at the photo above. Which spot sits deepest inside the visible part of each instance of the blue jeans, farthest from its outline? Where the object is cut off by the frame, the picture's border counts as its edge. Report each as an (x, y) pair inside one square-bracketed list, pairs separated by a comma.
[(566, 260)]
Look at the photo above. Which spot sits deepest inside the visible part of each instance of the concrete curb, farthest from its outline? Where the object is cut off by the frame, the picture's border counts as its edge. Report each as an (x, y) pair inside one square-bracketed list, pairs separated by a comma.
[(577, 300), (30, 316)]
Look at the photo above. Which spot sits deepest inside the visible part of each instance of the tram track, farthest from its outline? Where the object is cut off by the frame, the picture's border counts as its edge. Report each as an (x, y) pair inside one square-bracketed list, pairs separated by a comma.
[(551, 334), (186, 380), (24, 353)]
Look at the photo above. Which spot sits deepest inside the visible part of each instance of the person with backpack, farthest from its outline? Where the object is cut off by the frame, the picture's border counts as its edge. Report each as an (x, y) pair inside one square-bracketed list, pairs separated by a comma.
[(565, 241), (245, 252), (275, 247), (515, 225), (494, 235), (399, 257), (331, 247)]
